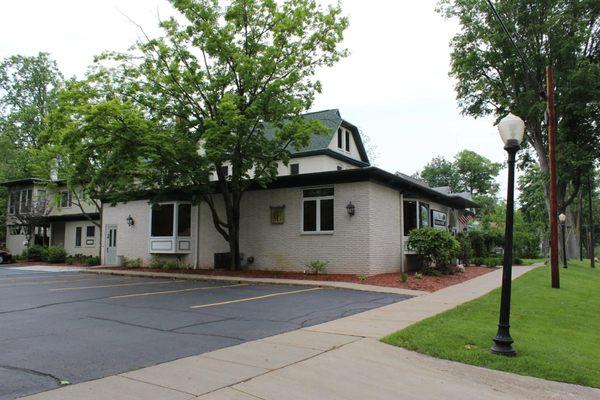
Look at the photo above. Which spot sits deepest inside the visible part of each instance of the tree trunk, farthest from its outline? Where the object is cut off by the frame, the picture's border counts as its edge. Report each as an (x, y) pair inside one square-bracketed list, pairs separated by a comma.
[(234, 232), (541, 150)]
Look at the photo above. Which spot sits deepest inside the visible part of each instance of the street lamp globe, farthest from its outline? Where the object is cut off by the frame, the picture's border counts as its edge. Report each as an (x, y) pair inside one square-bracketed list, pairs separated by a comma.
[(562, 218), (512, 129)]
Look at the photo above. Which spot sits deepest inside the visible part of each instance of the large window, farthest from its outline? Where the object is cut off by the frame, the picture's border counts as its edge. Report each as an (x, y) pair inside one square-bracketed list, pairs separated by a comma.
[(162, 219), (317, 210), (184, 220), (20, 201), (339, 138), (423, 215), (164, 215), (410, 216)]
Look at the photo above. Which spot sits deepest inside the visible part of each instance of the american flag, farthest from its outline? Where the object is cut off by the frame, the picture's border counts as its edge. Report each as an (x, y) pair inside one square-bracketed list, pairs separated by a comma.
[(465, 218)]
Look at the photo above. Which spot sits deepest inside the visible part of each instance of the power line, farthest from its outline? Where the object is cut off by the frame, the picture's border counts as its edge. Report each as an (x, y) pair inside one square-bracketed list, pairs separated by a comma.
[(514, 44)]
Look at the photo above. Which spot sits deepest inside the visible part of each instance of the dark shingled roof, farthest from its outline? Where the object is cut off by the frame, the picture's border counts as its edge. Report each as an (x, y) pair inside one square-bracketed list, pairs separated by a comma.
[(320, 143)]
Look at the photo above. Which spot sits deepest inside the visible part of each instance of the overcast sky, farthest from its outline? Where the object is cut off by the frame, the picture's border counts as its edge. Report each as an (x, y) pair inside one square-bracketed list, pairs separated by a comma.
[(394, 85)]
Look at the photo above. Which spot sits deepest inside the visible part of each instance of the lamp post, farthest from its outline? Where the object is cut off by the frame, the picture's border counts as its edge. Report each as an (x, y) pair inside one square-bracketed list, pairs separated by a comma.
[(511, 130), (563, 219)]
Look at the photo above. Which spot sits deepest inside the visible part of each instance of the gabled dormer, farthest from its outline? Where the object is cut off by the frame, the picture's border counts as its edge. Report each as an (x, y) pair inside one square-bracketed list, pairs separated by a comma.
[(340, 149)]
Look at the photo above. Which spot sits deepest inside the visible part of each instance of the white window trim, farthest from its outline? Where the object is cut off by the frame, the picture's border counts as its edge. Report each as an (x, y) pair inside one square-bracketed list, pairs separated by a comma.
[(318, 211), (175, 219)]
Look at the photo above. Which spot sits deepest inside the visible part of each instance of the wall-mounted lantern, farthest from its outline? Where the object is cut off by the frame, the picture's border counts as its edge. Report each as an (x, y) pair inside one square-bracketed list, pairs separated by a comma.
[(351, 209), (130, 220)]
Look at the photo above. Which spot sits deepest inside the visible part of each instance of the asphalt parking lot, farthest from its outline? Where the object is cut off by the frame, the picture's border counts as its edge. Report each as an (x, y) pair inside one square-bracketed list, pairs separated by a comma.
[(70, 327)]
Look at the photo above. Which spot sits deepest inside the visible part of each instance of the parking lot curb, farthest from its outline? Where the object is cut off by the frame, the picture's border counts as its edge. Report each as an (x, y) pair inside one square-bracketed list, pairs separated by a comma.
[(277, 281)]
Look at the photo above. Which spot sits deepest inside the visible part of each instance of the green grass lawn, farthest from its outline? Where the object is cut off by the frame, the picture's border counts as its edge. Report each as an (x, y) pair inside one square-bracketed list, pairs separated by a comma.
[(531, 261), (556, 331)]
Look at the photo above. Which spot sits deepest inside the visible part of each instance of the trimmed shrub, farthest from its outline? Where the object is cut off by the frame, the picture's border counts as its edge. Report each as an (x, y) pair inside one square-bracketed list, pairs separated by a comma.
[(436, 248), (92, 261), (37, 253), (170, 265), (156, 262), (132, 262), (483, 241), (316, 267), (57, 254)]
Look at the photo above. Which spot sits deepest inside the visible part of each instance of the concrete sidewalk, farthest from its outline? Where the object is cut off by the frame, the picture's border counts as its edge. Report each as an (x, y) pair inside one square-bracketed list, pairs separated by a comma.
[(341, 359)]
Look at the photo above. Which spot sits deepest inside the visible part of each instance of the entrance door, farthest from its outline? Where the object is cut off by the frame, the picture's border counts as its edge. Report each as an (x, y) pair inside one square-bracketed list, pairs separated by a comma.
[(110, 252)]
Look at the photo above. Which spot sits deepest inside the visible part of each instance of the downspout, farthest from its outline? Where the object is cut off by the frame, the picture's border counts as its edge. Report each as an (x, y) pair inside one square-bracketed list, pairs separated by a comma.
[(402, 232), (197, 249)]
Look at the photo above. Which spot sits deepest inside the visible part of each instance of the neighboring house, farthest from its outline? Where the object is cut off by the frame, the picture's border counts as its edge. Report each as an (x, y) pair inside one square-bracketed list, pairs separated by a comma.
[(328, 204), (66, 223)]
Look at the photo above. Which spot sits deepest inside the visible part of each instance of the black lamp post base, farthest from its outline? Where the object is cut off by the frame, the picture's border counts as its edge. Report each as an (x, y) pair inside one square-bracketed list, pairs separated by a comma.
[(503, 346)]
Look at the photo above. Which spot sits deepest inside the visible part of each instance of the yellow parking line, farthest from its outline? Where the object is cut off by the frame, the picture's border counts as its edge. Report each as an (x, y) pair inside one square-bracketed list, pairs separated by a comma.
[(176, 291), (46, 282), (254, 298), (117, 285)]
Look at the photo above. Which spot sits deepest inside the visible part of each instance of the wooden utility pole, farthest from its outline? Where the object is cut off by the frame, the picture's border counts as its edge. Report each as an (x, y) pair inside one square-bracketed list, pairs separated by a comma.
[(553, 203), (591, 210)]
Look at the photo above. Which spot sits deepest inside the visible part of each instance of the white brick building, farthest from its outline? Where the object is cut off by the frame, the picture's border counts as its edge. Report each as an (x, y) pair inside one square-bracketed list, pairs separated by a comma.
[(303, 215)]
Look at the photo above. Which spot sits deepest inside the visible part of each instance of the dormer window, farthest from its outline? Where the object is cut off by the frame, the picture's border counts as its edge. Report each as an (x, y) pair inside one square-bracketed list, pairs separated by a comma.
[(347, 140), (343, 139)]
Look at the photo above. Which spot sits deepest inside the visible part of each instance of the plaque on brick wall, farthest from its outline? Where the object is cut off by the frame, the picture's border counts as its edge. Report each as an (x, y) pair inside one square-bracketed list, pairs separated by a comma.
[(277, 215)]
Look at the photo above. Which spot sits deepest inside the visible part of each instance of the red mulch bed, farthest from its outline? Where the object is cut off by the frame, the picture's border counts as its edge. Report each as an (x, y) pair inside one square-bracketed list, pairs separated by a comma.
[(34, 263), (426, 283)]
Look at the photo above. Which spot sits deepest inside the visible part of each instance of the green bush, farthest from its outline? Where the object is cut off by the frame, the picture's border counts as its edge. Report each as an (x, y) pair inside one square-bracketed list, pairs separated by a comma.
[(466, 251), (483, 241), (404, 277), (92, 261), (57, 254), (493, 261), (170, 265), (316, 267), (517, 261), (156, 262), (133, 262), (37, 253), (436, 248), (478, 261)]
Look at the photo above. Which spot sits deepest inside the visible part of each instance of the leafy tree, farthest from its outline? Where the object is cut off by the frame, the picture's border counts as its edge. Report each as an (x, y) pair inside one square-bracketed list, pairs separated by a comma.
[(440, 172), (212, 81), (28, 88), (492, 80), (97, 144), (476, 174), (28, 92)]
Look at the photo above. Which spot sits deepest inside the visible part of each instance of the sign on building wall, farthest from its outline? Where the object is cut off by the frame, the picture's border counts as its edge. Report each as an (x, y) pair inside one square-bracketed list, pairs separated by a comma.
[(439, 218), (277, 215)]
